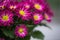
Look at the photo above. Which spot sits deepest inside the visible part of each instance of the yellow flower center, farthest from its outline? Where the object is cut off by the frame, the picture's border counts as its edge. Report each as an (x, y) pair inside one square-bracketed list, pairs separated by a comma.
[(46, 16), (36, 17), (37, 6), (21, 12), (21, 30), (5, 18)]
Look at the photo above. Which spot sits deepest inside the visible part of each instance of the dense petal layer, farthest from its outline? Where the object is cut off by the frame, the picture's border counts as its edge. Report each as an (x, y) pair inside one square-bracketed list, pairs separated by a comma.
[(21, 31), (6, 18)]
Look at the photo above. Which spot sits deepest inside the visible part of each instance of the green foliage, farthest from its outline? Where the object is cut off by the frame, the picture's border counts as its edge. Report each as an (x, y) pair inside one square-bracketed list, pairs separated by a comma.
[(35, 34), (31, 27), (38, 35), (8, 33)]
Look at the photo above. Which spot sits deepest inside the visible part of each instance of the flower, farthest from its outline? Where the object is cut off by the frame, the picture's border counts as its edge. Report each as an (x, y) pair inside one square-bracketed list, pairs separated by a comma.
[(48, 14), (37, 18), (12, 5), (21, 31), (2, 5), (6, 18), (22, 12), (47, 17), (27, 5), (38, 4)]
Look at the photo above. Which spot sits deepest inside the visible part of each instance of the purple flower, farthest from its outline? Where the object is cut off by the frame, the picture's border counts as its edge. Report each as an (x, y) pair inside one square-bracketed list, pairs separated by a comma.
[(12, 5), (2, 5), (48, 15), (2, 39), (38, 4), (6, 18), (23, 13), (37, 18), (27, 5), (21, 31)]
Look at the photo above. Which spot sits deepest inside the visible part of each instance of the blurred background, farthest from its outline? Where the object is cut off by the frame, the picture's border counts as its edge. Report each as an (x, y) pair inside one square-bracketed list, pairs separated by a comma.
[(53, 34)]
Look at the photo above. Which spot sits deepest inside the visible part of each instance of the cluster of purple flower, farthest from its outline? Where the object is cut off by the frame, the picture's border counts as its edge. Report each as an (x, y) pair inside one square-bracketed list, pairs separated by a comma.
[(35, 10)]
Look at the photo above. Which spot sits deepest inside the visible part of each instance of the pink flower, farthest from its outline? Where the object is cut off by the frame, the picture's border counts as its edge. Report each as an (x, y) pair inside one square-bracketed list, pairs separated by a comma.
[(12, 5), (48, 14), (21, 31), (2, 5), (23, 13), (38, 4), (37, 18), (6, 18), (47, 17), (27, 5)]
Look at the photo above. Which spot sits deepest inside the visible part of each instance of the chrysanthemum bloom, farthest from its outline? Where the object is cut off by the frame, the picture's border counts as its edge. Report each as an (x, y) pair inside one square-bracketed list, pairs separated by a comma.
[(26, 5), (2, 5), (12, 5), (48, 16), (37, 18), (23, 13), (21, 31), (6, 18), (38, 4)]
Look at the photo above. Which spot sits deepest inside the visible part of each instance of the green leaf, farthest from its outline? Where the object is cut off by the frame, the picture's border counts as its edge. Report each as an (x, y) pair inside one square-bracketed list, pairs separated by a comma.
[(5, 32), (8, 33), (11, 34), (27, 37), (30, 28), (38, 35)]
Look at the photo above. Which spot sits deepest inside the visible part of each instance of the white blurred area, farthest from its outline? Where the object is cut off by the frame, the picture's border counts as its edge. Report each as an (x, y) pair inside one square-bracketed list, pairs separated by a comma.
[(54, 33), (50, 34)]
